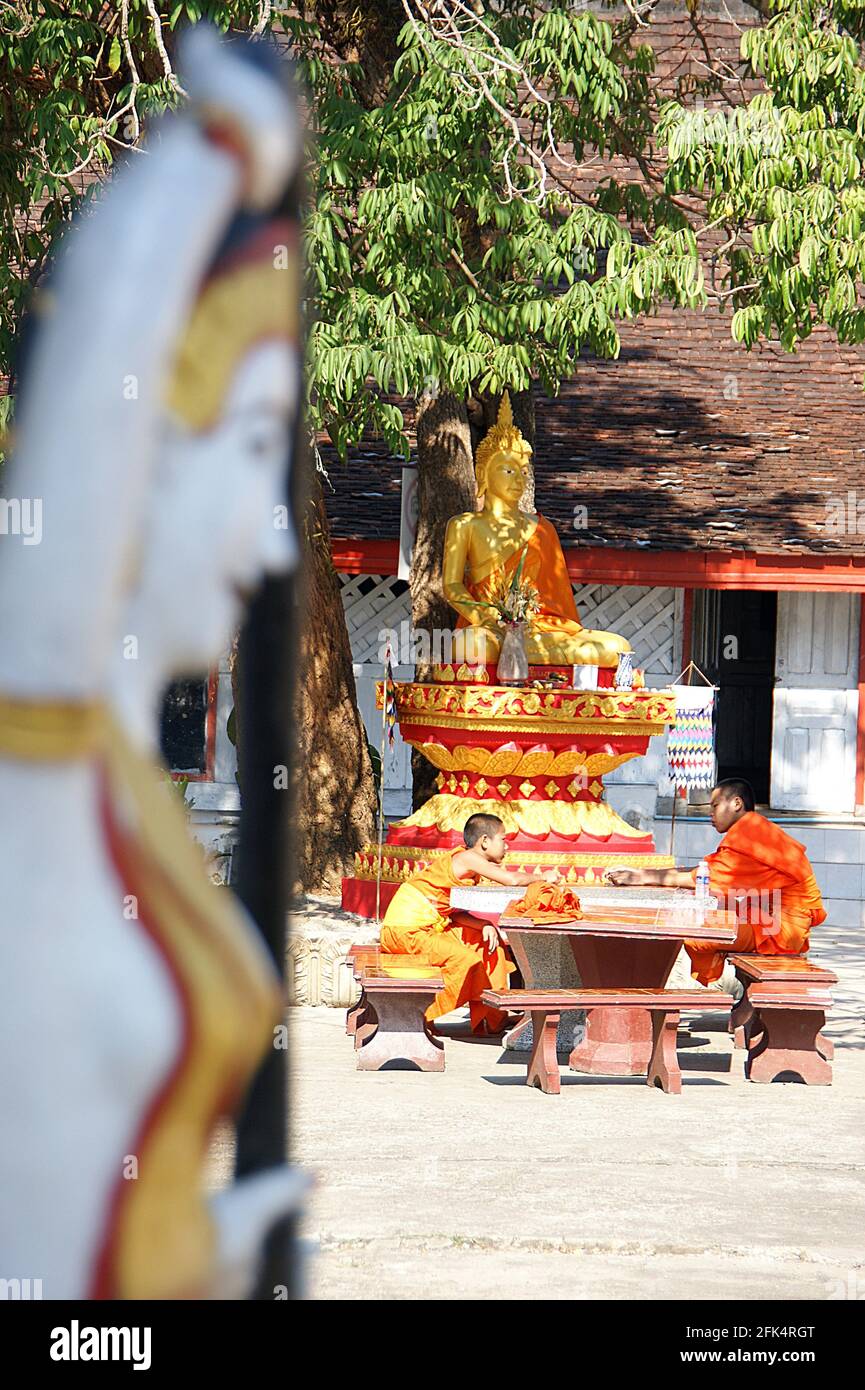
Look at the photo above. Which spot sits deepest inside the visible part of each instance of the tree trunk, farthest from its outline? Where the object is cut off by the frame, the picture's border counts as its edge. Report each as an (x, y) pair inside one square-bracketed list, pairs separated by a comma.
[(336, 800), (362, 34), (446, 485)]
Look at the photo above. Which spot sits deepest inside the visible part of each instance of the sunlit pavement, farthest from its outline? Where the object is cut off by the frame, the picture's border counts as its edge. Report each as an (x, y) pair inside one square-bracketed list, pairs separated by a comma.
[(467, 1184)]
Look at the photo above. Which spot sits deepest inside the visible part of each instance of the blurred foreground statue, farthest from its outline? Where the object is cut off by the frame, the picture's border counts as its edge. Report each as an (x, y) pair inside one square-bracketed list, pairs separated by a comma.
[(135, 999)]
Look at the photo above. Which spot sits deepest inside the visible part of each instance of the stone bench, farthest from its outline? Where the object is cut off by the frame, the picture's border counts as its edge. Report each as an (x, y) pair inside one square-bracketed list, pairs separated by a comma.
[(361, 1015), (664, 1006), (388, 1022), (780, 1018)]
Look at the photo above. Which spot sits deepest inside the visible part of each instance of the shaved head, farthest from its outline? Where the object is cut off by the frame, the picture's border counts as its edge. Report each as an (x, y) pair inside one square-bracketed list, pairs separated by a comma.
[(481, 824), (737, 786)]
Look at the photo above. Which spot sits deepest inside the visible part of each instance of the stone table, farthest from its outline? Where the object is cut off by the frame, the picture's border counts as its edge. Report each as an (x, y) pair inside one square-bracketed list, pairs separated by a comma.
[(548, 959)]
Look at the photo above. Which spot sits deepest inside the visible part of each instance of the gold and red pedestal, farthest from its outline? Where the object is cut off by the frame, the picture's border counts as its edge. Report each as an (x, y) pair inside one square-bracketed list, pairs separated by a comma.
[(537, 759)]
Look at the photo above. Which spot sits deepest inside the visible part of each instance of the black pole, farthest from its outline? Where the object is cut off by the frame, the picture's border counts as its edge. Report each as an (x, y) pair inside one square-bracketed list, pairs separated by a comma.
[(267, 678), (267, 662)]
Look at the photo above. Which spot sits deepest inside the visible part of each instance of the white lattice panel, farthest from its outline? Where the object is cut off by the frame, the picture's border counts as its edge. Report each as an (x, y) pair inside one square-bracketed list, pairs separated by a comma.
[(372, 603), (648, 617)]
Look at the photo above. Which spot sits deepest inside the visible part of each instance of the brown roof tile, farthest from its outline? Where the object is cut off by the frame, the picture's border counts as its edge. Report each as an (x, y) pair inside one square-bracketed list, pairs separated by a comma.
[(687, 442)]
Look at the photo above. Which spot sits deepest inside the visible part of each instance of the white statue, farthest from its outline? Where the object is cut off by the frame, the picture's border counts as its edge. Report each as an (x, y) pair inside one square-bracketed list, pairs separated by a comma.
[(214, 520), (135, 1000)]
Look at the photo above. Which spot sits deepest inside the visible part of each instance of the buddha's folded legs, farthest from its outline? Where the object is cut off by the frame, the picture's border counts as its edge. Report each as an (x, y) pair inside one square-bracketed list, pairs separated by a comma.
[(585, 647)]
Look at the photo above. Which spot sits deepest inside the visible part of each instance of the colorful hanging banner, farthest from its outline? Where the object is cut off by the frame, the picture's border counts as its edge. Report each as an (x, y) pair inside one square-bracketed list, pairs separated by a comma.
[(389, 698), (690, 741)]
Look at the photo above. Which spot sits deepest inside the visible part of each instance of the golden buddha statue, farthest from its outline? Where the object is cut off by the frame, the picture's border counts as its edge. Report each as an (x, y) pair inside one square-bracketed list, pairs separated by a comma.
[(484, 550)]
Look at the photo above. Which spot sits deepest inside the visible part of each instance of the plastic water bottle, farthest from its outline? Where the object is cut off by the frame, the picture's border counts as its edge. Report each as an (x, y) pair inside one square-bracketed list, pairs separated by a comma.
[(702, 886)]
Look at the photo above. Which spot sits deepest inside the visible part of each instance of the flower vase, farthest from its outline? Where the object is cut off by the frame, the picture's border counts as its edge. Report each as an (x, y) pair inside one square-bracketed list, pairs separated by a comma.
[(513, 663)]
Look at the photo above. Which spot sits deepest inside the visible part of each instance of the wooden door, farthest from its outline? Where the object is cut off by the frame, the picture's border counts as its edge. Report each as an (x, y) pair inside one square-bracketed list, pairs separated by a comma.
[(734, 644), (816, 702), (746, 671)]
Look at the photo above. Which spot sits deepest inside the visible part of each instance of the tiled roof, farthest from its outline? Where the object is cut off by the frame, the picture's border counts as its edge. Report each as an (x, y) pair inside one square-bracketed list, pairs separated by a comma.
[(690, 442), (363, 495), (686, 442)]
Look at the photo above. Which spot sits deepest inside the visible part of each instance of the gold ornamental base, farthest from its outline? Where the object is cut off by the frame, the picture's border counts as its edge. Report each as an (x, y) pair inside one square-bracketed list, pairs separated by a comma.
[(536, 758), (399, 862)]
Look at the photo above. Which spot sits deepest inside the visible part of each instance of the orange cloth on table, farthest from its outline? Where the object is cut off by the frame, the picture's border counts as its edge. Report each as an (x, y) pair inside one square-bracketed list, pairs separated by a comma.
[(421, 922), (544, 903), (756, 858), (544, 567)]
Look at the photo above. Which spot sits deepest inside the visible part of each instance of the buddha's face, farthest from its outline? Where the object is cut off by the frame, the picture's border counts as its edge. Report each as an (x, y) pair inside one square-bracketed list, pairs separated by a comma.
[(217, 522), (506, 478)]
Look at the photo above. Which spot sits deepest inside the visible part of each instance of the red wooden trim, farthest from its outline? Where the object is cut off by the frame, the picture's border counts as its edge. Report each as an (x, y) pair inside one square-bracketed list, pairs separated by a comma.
[(860, 721), (683, 569), (365, 557), (715, 569), (209, 736)]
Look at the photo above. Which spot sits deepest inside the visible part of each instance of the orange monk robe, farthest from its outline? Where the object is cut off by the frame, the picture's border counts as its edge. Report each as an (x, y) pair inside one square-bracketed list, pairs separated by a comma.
[(544, 567), (421, 922), (766, 873), (546, 904)]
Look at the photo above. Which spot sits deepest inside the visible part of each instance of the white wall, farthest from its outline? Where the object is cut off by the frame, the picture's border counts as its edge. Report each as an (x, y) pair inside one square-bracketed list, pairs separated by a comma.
[(836, 853)]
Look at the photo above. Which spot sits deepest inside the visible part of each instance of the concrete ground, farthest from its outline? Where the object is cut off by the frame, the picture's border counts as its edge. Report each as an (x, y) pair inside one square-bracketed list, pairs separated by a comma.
[(467, 1184)]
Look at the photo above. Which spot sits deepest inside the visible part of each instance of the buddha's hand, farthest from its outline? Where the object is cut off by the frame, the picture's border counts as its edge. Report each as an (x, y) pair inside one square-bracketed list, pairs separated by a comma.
[(551, 875), (623, 878), (479, 617)]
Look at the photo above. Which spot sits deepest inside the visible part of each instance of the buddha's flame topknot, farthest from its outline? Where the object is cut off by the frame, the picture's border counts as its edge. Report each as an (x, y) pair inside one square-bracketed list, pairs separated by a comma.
[(502, 437)]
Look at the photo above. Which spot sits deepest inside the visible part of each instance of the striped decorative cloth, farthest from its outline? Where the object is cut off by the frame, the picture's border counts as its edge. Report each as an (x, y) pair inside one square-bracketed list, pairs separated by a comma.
[(389, 698), (690, 741)]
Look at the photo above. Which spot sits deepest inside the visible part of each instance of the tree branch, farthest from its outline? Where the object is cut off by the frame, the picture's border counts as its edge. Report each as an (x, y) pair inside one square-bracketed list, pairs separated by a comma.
[(160, 44)]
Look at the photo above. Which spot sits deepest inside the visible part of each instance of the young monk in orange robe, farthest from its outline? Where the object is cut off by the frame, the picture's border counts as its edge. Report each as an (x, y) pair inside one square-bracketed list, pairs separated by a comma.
[(421, 922), (759, 871)]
